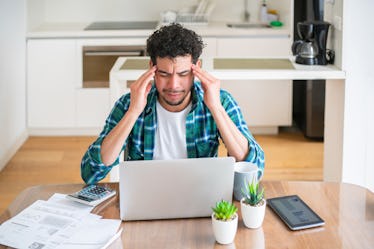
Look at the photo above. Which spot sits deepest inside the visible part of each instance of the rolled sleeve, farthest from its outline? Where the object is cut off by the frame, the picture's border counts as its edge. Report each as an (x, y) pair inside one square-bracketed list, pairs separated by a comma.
[(256, 155), (92, 167)]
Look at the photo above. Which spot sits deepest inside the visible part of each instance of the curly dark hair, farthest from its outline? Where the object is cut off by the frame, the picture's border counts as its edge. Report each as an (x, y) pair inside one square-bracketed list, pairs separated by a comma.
[(174, 40)]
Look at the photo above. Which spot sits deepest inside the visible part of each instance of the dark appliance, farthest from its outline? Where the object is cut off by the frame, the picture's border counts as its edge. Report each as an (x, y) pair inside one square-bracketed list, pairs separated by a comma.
[(311, 49), (309, 95), (309, 107), (97, 61)]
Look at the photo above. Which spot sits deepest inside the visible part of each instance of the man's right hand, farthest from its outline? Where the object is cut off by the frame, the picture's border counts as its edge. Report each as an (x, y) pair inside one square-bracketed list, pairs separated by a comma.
[(139, 91), (113, 142)]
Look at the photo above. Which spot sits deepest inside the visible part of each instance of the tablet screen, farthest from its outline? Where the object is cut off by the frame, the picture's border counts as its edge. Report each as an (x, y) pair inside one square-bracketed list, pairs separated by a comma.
[(294, 212)]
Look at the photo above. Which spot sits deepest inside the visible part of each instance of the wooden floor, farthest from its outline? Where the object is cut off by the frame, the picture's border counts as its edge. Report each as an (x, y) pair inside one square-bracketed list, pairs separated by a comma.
[(52, 160)]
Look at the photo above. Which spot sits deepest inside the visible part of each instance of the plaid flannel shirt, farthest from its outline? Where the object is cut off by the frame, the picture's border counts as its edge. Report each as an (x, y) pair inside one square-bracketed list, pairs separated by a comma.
[(202, 135)]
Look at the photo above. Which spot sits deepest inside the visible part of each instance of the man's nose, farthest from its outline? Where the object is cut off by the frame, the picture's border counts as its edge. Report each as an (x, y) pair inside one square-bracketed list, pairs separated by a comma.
[(173, 81)]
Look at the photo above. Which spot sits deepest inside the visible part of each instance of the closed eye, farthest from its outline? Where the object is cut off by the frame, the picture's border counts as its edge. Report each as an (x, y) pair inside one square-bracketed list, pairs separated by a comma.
[(162, 73), (181, 74), (186, 73)]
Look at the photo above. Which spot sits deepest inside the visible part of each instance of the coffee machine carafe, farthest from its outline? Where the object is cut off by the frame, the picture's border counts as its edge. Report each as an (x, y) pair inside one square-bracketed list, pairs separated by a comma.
[(311, 49)]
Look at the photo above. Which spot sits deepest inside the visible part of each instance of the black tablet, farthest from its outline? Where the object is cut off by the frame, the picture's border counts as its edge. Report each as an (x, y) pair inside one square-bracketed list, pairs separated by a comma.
[(294, 212)]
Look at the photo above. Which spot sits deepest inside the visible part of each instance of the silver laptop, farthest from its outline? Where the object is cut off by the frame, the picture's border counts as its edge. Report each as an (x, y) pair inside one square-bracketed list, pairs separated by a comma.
[(168, 189)]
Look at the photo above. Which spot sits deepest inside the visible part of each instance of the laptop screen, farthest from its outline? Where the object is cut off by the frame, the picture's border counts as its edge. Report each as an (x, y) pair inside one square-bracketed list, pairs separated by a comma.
[(168, 189)]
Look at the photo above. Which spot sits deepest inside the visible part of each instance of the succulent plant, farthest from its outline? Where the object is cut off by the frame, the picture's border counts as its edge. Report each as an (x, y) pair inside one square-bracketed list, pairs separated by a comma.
[(253, 193), (224, 210)]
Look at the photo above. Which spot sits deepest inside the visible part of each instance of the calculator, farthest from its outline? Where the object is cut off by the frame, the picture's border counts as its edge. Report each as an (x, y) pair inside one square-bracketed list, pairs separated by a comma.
[(92, 195)]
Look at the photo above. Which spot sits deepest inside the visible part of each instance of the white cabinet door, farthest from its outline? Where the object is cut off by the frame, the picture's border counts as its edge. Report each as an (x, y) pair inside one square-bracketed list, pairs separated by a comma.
[(93, 107), (51, 76), (264, 103)]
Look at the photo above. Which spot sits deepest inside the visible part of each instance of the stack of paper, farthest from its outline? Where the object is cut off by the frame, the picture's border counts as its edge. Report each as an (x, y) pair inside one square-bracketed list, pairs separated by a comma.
[(58, 223)]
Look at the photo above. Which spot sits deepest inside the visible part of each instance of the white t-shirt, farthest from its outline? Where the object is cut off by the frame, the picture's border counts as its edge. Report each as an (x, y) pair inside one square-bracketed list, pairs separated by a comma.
[(170, 139)]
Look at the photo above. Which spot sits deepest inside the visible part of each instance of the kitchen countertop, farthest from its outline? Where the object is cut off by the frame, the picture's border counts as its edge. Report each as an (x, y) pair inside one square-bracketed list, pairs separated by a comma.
[(334, 99), (129, 69), (213, 29), (282, 69)]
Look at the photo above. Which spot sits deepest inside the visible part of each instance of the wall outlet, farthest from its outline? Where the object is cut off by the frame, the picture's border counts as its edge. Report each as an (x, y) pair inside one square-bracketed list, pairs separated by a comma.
[(337, 23), (330, 2)]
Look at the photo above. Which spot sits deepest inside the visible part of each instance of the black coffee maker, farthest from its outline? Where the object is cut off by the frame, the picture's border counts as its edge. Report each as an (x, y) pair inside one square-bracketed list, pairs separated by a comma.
[(311, 49)]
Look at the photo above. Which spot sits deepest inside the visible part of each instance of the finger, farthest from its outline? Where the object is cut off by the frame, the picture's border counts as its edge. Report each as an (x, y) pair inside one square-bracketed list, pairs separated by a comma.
[(148, 88), (197, 71), (203, 75), (145, 78), (203, 78), (149, 73)]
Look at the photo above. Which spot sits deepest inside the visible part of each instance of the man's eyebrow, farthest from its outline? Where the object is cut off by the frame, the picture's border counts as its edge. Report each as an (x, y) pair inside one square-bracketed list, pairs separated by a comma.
[(162, 71), (185, 71)]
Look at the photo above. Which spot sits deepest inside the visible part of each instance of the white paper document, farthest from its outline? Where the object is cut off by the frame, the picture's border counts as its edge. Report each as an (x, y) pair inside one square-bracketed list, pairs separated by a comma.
[(92, 234), (57, 223)]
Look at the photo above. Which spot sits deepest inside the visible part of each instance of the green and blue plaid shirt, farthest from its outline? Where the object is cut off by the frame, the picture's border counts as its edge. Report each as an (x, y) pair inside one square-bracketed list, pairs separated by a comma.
[(201, 133)]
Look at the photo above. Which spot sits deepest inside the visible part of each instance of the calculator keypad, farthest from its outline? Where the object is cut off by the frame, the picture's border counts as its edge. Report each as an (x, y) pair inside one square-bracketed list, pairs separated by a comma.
[(93, 192)]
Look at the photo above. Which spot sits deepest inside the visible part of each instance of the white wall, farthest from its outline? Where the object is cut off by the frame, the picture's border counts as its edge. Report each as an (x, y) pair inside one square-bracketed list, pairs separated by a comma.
[(117, 10), (370, 138), (355, 55), (358, 54), (35, 13), (105, 10), (12, 77)]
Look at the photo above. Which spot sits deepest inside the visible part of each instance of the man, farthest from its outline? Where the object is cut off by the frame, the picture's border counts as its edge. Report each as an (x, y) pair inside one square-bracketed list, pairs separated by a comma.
[(171, 116)]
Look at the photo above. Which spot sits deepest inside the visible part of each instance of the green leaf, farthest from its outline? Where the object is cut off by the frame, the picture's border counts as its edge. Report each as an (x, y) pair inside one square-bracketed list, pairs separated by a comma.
[(224, 210), (252, 192)]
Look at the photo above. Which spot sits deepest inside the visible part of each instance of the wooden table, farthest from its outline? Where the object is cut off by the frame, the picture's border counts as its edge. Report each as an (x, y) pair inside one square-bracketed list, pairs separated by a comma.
[(348, 211)]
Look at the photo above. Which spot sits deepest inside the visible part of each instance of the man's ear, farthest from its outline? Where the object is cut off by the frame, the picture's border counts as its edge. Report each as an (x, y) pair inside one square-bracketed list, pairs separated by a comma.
[(198, 63), (150, 63)]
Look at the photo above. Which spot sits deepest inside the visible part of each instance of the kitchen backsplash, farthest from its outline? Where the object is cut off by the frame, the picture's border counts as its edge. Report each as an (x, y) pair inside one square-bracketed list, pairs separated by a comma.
[(118, 10)]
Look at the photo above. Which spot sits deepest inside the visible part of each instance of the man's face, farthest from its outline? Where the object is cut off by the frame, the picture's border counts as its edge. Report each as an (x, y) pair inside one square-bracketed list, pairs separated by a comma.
[(174, 80)]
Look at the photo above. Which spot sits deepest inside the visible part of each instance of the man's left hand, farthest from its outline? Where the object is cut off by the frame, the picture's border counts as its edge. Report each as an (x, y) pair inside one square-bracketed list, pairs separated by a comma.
[(211, 87)]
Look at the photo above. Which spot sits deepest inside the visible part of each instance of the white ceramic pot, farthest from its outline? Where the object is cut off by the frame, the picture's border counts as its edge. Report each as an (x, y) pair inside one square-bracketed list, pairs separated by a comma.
[(252, 216), (225, 231)]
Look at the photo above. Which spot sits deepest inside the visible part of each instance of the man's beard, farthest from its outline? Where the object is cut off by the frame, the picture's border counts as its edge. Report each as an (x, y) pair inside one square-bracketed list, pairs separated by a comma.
[(177, 103)]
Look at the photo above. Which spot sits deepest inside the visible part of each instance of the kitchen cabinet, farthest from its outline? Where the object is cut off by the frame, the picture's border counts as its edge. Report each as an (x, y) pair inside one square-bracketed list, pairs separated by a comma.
[(51, 77), (57, 101), (266, 104), (93, 104), (92, 107)]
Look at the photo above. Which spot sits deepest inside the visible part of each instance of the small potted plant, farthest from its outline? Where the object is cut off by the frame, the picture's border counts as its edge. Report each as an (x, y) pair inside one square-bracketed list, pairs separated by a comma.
[(225, 222), (253, 204)]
